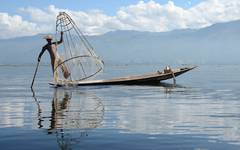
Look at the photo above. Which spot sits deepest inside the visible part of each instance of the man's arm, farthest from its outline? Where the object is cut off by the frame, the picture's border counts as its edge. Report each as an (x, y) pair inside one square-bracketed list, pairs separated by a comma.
[(41, 53), (61, 39)]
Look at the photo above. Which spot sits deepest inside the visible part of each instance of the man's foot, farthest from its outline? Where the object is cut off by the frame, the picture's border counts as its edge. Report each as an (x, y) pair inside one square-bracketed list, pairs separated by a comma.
[(66, 75)]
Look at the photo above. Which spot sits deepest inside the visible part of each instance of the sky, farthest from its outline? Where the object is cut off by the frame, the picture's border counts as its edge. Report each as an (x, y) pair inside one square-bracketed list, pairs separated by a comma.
[(108, 6), (28, 17)]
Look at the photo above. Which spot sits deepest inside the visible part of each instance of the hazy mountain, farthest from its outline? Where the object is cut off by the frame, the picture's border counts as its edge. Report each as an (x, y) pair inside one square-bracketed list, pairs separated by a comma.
[(219, 43)]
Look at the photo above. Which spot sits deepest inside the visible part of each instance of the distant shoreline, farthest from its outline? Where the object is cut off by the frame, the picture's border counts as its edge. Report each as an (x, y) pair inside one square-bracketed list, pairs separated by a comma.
[(20, 65)]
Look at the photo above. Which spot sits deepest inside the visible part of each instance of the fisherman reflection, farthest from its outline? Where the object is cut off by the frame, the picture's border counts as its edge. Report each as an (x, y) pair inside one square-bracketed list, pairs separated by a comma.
[(58, 107), (73, 115)]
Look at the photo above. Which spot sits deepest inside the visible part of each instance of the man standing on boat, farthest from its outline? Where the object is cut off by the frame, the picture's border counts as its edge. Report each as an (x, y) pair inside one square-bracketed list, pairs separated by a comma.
[(51, 47)]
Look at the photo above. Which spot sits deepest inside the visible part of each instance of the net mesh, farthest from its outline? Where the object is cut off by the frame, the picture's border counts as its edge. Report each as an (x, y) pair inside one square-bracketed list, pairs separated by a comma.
[(76, 60)]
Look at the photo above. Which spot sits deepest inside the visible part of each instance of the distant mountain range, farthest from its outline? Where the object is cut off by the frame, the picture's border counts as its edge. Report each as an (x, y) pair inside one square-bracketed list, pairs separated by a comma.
[(218, 44)]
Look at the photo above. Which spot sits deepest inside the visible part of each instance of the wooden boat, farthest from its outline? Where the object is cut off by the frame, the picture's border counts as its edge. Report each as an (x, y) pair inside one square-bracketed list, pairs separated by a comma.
[(146, 79)]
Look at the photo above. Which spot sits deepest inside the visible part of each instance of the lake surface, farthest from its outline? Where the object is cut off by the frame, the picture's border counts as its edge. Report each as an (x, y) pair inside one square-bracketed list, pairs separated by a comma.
[(202, 112)]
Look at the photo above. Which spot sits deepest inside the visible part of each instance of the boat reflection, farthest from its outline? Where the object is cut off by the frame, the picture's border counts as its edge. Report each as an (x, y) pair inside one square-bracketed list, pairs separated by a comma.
[(180, 110), (73, 115), (168, 87)]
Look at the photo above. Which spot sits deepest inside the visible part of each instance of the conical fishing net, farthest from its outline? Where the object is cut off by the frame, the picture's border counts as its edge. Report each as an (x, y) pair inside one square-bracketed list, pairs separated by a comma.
[(76, 59)]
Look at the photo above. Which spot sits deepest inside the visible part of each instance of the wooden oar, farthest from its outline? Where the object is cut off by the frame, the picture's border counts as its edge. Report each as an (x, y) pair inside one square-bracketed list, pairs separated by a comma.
[(35, 73)]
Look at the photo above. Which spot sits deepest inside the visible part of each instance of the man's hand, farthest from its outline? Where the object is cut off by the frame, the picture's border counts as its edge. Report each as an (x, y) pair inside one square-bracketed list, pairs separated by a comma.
[(61, 39), (39, 59)]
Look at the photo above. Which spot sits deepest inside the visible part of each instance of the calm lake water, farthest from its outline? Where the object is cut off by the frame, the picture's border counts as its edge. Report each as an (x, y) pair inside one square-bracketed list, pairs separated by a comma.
[(202, 112)]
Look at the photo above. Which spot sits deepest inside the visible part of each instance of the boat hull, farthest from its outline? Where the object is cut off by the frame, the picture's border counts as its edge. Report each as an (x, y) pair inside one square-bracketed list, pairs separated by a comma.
[(147, 79)]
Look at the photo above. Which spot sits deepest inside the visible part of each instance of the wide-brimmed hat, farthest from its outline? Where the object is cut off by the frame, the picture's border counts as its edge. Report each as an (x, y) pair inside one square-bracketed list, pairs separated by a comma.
[(48, 37)]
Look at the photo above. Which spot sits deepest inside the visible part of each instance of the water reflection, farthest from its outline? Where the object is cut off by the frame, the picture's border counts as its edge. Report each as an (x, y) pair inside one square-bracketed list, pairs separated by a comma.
[(168, 87), (153, 111), (181, 110), (73, 115)]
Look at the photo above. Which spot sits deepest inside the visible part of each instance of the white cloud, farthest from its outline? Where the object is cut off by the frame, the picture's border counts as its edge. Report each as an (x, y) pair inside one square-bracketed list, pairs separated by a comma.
[(143, 16), (11, 26), (152, 16), (41, 16)]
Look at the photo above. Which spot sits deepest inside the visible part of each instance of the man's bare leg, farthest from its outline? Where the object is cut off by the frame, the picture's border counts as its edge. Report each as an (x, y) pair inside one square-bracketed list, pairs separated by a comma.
[(64, 69), (55, 72)]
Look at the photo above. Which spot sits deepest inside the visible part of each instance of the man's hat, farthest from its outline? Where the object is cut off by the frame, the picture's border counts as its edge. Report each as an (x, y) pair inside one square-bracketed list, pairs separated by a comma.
[(48, 37)]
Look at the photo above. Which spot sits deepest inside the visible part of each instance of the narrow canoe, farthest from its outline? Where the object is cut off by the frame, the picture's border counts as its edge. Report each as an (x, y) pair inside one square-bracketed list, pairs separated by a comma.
[(146, 79)]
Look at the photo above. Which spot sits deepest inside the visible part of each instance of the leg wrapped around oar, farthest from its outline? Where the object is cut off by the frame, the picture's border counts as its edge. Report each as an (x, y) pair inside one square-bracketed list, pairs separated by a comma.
[(64, 69)]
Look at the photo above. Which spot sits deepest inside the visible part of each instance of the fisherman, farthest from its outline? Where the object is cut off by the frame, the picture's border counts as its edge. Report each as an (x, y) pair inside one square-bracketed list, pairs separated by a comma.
[(51, 47)]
